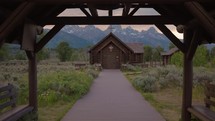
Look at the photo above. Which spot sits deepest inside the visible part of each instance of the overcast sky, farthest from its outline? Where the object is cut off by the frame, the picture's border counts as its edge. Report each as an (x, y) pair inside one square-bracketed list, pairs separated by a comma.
[(118, 12)]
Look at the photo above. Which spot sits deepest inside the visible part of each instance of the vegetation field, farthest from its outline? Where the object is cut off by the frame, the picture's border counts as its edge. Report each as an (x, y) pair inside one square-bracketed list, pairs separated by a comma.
[(162, 87), (59, 85)]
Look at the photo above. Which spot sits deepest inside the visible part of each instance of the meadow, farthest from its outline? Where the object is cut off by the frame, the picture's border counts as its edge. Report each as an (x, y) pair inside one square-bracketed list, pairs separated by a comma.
[(162, 87), (60, 85)]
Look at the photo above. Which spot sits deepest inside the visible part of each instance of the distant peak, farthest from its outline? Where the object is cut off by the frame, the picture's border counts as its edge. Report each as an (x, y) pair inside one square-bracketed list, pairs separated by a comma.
[(129, 27), (152, 30), (118, 27), (90, 26)]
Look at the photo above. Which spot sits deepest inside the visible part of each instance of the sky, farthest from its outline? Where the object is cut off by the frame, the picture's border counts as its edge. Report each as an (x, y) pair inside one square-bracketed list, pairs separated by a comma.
[(118, 12)]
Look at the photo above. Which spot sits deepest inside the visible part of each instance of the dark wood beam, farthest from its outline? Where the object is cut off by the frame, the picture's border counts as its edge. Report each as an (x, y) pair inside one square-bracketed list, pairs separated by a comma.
[(85, 11), (188, 78), (110, 13), (47, 37), (32, 77), (93, 10), (109, 20), (110, 1), (126, 9), (171, 37), (50, 12), (194, 23), (205, 19), (193, 45), (167, 11), (134, 11), (14, 20)]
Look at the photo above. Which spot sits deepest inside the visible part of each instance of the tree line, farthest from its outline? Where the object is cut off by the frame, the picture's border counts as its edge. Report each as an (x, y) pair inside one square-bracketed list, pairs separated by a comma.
[(63, 52), (202, 57)]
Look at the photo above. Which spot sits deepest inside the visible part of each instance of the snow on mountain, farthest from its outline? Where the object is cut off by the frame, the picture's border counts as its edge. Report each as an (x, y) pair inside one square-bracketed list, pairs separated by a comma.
[(93, 35)]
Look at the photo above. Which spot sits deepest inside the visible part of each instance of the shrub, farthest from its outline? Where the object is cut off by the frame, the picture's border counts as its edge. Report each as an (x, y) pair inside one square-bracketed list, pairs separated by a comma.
[(129, 67), (146, 83), (174, 77), (57, 86), (92, 73), (202, 74)]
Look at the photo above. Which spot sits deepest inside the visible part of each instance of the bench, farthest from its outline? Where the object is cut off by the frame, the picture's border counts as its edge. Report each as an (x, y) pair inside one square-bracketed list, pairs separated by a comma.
[(206, 113), (80, 65), (8, 109)]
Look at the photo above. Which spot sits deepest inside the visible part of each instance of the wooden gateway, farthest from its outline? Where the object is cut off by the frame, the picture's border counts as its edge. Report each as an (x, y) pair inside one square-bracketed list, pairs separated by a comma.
[(22, 20), (111, 52)]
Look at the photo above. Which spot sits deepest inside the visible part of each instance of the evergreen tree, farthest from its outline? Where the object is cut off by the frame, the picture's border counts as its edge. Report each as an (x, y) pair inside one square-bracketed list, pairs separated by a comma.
[(64, 51), (200, 58), (43, 54), (148, 53), (156, 53), (177, 59)]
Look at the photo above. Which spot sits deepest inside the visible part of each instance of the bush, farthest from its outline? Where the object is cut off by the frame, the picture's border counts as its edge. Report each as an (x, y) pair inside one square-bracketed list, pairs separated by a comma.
[(129, 67), (202, 74), (62, 85), (169, 76), (173, 78), (57, 86), (146, 83), (92, 73)]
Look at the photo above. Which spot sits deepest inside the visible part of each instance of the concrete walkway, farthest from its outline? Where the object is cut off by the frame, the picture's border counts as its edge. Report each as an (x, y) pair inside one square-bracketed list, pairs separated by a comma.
[(112, 98)]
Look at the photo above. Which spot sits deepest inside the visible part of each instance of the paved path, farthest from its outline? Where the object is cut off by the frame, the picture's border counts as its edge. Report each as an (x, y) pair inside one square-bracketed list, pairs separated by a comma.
[(112, 98)]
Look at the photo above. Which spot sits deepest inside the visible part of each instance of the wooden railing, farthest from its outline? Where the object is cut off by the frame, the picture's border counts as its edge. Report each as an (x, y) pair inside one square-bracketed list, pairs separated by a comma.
[(8, 109), (206, 113)]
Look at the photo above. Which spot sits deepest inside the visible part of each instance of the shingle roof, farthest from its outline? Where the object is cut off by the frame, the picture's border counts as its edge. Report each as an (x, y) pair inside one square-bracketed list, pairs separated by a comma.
[(136, 47), (170, 52), (105, 38)]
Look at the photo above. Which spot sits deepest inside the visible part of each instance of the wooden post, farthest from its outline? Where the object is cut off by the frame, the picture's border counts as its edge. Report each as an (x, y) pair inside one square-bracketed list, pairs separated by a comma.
[(188, 79), (32, 76)]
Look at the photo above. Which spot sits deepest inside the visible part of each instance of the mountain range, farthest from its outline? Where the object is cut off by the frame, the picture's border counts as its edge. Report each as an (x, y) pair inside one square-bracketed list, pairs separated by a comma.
[(80, 37)]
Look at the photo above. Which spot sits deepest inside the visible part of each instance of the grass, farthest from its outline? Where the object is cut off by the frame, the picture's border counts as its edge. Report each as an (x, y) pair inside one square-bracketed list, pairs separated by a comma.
[(55, 112), (59, 86), (167, 101)]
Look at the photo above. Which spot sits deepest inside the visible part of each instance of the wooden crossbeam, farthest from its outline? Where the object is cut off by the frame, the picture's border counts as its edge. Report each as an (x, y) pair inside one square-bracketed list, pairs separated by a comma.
[(51, 12), (110, 12), (205, 19), (47, 37), (171, 37), (106, 1), (166, 11), (85, 11), (14, 19), (134, 11), (110, 20), (93, 10), (126, 9)]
